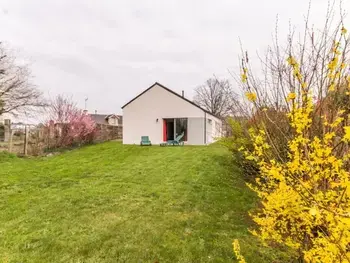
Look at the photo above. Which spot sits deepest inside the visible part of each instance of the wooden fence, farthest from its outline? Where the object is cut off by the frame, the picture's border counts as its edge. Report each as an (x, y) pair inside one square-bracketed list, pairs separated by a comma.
[(36, 140)]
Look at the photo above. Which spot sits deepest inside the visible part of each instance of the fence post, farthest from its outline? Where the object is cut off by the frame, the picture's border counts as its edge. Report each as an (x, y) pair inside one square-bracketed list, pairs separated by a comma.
[(25, 150), (10, 141), (7, 130)]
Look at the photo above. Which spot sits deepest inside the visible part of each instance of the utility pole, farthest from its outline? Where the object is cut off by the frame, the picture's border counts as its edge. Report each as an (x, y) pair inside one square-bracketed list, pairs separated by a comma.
[(86, 99)]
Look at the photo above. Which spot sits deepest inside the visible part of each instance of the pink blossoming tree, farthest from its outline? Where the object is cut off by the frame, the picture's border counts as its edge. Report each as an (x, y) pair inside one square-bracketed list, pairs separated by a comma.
[(69, 125)]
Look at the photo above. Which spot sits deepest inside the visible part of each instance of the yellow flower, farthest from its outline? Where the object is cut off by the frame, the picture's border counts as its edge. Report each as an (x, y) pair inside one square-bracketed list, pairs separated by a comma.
[(291, 96), (337, 75), (291, 61), (303, 85), (244, 78), (329, 136), (336, 122), (331, 87), (344, 31), (333, 64), (313, 211), (250, 157), (297, 74), (331, 76), (244, 75), (347, 134), (237, 251), (251, 96)]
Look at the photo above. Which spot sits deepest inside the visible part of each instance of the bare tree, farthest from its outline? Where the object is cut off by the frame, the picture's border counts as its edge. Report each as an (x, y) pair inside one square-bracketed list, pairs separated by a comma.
[(216, 96), (17, 94)]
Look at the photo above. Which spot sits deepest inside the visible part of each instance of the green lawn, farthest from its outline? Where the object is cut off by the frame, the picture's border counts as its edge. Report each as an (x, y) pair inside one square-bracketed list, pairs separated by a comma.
[(115, 203)]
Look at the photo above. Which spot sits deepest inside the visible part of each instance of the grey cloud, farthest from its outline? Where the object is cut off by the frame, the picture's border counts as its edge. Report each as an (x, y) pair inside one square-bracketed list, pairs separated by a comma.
[(72, 65), (110, 50)]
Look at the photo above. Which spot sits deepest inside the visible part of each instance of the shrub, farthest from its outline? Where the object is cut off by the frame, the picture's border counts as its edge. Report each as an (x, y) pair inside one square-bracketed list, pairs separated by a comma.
[(238, 138), (303, 151), (68, 126), (276, 125)]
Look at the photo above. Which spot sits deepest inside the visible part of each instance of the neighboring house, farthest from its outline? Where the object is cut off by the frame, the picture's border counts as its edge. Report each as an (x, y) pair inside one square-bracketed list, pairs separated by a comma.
[(111, 119), (162, 114)]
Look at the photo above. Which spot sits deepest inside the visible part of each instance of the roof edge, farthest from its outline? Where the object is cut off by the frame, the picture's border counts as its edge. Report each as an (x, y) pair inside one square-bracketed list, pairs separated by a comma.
[(171, 91), (140, 94)]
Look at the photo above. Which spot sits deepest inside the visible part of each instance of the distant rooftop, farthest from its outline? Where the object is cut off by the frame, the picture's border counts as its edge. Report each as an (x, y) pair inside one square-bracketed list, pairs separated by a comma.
[(103, 118)]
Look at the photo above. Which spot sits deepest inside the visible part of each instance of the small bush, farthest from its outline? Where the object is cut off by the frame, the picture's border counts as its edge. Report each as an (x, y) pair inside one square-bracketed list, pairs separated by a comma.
[(68, 126), (237, 139)]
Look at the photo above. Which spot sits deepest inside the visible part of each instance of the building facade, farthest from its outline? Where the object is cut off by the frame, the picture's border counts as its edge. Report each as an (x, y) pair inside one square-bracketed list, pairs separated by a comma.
[(163, 115)]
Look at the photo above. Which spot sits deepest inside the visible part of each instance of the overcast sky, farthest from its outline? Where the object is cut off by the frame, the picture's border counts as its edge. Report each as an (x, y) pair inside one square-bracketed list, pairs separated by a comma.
[(110, 50)]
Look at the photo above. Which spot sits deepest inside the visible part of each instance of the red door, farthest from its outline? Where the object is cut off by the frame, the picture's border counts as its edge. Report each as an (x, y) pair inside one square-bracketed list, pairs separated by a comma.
[(164, 131)]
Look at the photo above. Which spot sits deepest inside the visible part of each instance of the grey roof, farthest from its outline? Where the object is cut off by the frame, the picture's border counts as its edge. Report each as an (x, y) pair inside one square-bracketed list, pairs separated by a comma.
[(98, 118), (103, 118)]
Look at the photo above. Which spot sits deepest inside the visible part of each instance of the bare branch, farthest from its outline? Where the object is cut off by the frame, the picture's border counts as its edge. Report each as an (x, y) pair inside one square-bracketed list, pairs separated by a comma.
[(216, 96), (17, 94)]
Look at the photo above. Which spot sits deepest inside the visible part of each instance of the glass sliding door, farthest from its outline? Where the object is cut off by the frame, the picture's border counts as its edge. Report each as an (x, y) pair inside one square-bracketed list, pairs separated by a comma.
[(181, 127)]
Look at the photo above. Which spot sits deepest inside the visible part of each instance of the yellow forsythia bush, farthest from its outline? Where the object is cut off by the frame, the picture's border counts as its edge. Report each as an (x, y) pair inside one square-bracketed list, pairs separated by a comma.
[(305, 198)]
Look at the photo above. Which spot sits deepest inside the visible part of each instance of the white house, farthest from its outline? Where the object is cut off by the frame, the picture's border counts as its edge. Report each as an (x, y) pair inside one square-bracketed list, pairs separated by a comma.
[(163, 114)]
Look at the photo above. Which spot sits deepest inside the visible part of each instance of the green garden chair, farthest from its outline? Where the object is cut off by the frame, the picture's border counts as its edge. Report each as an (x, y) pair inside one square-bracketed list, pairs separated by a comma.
[(177, 140), (145, 141)]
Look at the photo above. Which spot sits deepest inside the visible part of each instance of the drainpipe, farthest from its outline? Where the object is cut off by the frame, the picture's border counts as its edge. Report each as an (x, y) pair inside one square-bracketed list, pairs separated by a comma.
[(205, 128)]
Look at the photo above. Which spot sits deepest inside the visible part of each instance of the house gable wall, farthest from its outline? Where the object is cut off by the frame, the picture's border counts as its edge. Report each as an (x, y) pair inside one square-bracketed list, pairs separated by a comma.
[(140, 116), (113, 121), (214, 128)]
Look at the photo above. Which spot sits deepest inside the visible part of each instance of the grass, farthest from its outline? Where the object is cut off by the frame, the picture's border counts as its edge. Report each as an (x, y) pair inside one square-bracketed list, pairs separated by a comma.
[(115, 203)]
